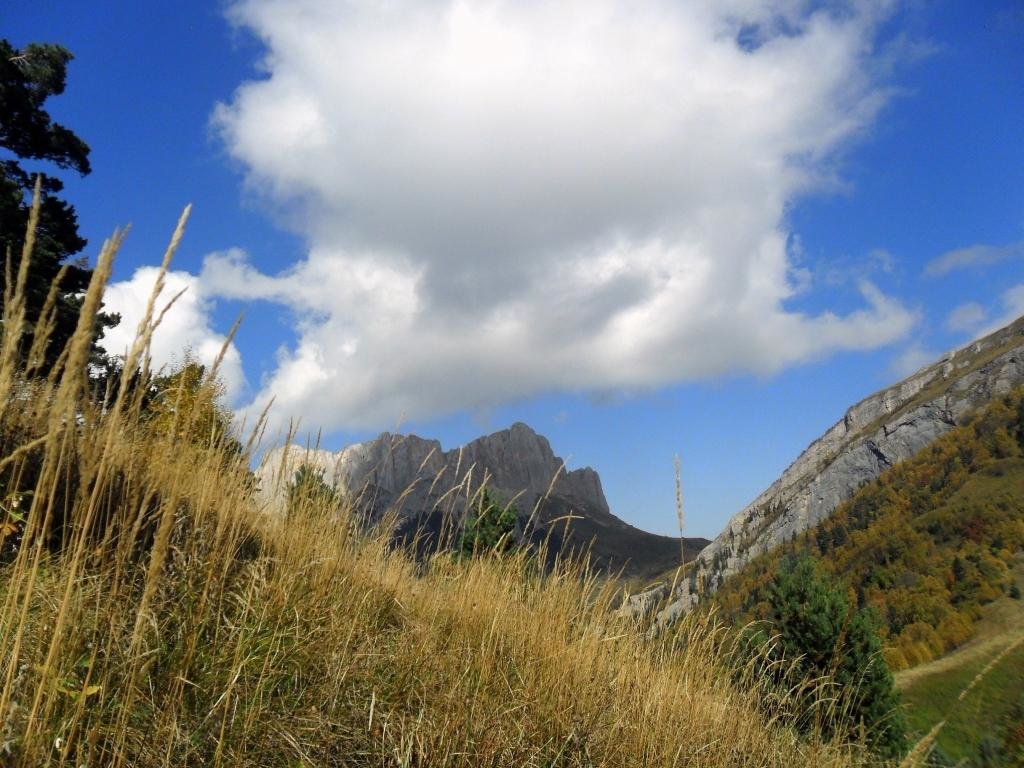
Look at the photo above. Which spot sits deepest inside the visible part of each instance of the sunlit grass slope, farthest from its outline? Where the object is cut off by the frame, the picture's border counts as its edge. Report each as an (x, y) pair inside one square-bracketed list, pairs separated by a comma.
[(935, 692), (152, 614)]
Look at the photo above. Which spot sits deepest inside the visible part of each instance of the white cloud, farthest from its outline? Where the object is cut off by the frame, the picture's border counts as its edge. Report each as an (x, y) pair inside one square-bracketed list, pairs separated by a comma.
[(975, 320), (510, 198), (1012, 301), (966, 317), (186, 326), (970, 318), (973, 256), (844, 270), (912, 359)]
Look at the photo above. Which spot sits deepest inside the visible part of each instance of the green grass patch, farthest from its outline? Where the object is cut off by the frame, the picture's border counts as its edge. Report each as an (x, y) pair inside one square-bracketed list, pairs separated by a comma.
[(931, 692), (984, 710)]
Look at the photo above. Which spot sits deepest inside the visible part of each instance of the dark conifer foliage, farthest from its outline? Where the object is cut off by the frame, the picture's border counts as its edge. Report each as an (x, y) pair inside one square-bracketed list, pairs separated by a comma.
[(825, 636), (28, 77), (490, 526)]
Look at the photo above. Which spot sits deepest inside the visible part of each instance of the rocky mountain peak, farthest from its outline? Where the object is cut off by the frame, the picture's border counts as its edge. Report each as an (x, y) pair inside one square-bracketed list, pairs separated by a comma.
[(428, 488), (516, 462)]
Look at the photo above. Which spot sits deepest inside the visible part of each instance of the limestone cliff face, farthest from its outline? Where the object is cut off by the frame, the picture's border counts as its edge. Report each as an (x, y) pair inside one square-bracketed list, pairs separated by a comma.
[(874, 434), (414, 473), (426, 489)]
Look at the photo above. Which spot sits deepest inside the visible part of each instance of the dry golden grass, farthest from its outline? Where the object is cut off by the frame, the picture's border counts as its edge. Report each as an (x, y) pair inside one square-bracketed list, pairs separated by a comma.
[(155, 615)]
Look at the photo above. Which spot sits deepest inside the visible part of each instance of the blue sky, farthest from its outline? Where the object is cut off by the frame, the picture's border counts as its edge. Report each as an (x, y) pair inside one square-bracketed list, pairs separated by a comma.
[(620, 227)]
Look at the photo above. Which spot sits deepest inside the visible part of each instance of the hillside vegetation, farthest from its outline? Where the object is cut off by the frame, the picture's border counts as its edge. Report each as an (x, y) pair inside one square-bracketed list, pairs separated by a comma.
[(975, 691), (927, 544), (152, 614)]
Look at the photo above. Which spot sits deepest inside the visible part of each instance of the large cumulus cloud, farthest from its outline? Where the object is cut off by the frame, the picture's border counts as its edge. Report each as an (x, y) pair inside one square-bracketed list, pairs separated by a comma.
[(510, 197)]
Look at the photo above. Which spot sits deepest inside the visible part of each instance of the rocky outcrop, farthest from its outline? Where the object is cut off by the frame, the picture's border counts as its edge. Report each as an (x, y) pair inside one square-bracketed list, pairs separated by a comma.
[(426, 490), (874, 434), (643, 604)]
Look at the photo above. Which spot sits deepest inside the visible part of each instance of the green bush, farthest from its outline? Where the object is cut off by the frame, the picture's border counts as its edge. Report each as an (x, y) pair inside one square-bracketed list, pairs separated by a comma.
[(824, 637), (490, 526), (309, 490)]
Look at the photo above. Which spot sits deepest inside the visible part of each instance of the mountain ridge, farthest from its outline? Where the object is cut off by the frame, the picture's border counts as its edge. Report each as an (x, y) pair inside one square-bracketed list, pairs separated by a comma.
[(875, 433), (427, 489)]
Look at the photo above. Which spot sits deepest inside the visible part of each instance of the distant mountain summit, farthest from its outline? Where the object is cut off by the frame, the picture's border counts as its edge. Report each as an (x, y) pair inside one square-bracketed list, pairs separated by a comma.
[(426, 488), (873, 435)]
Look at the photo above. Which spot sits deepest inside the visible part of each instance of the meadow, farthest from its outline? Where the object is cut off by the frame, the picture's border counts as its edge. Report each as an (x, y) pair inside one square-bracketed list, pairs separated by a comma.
[(155, 610)]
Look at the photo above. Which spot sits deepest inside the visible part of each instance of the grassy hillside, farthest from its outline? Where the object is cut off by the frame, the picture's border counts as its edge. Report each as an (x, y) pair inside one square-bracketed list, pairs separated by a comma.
[(990, 709), (927, 544), (153, 614)]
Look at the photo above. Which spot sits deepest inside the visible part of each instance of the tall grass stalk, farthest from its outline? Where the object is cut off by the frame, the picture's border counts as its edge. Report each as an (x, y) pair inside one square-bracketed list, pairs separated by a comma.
[(679, 509)]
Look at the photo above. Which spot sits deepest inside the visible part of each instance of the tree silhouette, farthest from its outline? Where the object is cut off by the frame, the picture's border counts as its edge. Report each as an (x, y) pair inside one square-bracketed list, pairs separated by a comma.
[(27, 79)]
